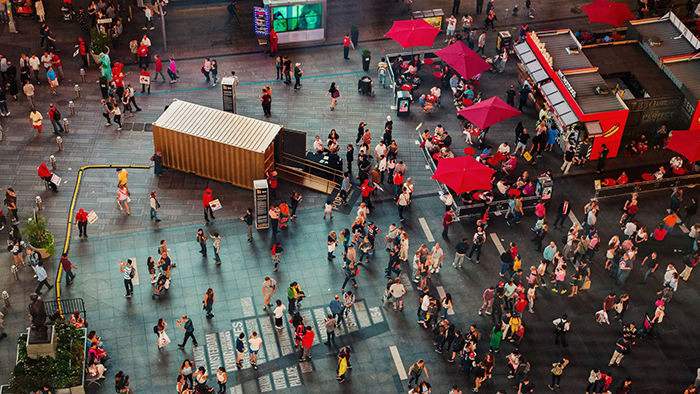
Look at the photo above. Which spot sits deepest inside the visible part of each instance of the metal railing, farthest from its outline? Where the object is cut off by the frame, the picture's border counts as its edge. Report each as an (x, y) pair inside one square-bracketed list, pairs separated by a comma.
[(647, 186), (308, 167), (67, 306)]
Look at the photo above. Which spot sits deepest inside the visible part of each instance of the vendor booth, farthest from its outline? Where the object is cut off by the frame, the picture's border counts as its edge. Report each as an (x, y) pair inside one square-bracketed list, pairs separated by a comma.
[(676, 51), (297, 21), (215, 144), (582, 105)]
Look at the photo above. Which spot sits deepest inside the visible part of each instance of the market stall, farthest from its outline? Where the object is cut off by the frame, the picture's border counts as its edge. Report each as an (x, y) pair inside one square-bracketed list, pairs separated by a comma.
[(565, 82), (215, 144)]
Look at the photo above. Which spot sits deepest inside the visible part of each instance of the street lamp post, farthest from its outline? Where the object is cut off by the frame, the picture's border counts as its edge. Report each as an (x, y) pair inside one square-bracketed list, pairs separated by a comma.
[(11, 24), (162, 21)]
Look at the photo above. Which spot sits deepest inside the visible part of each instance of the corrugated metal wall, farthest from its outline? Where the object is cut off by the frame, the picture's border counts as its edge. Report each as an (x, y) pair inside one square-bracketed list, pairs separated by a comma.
[(209, 159)]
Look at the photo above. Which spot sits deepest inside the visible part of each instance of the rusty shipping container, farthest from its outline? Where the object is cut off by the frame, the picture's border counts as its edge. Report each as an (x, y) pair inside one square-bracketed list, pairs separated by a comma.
[(215, 144)]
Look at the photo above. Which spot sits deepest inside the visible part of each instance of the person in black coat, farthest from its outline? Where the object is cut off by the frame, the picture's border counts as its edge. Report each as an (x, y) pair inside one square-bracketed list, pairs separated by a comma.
[(12, 79), (562, 213), (350, 157)]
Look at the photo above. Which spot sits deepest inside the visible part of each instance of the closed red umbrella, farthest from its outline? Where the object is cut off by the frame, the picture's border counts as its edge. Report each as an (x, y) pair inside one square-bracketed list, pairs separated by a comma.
[(465, 61), (413, 33), (687, 143), (463, 174), (488, 112), (608, 12)]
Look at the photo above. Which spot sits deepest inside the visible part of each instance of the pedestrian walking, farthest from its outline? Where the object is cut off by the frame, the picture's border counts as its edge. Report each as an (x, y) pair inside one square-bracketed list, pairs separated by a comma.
[(129, 273), (276, 253), (622, 347), (55, 118), (68, 267), (561, 327), (188, 327), (330, 326), (477, 242), (328, 209), (557, 371), (343, 364), (307, 342), (221, 379), (334, 92), (562, 213), (287, 70), (148, 14), (278, 313), (117, 117), (172, 70), (207, 198), (568, 160), (206, 70), (208, 302), (397, 291), (81, 221), (248, 219), (347, 43), (163, 339), (266, 102), (35, 119), (269, 288), (53, 80), (446, 221), (155, 205), (240, 350), (28, 90), (255, 343), (217, 247), (415, 371), (272, 183), (298, 73), (46, 176), (202, 240), (602, 155)]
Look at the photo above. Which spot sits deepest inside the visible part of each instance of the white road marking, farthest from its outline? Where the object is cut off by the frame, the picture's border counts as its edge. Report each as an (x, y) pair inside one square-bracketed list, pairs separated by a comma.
[(441, 292), (426, 229), (236, 389), (248, 308), (573, 218), (497, 242), (397, 361), (684, 228)]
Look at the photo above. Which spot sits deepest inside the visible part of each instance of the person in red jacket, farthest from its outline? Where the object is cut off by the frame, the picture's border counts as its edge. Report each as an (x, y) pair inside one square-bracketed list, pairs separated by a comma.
[(143, 56), (206, 199), (273, 42), (81, 221), (45, 174), (83, 52), (55, 118), (306, 342), (366, 189), (272, 181)]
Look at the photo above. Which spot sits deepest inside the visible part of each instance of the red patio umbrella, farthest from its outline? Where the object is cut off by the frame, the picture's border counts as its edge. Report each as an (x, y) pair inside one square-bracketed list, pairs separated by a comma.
[(463, 60), (488, 112), (413, 33), (687, 143), (463, 174), (608, 12)]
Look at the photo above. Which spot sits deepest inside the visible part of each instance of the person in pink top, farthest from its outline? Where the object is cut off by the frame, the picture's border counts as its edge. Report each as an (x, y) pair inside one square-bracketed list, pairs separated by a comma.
[(560, 276), (172, 70), (159, 68)]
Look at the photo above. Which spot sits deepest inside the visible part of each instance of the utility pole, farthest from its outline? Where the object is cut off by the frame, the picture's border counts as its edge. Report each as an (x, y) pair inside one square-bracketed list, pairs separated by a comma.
[(162, 22)]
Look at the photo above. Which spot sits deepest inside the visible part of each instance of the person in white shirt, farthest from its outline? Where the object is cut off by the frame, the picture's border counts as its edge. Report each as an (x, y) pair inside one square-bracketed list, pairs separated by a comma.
[(380, 150), (451, 27), (318, 145), (34, 63), (255, 343), (504, 148), (501, 186), (397, 291), (435, 91), (437, 255), (279, 314), (676, 162), (46, 61), (146, 41)]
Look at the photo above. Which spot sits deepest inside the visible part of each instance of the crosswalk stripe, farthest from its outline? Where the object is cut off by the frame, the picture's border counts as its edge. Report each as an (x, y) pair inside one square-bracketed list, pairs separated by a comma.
[(398, 363), (376, 315), (293, 376), (228, 350), (684, 228), (350, 321), (441, 292), (265, 383), (320, 315), (497, 242), (214, 356), (573, 218), (269, 338), (361, 313), (237, 389), (200, 358), (426, 229), (248, 308), (285, 341), (279, 380)]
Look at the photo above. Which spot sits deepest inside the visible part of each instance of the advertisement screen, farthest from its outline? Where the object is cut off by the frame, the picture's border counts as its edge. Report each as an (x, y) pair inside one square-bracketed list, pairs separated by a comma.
[(297, 17)]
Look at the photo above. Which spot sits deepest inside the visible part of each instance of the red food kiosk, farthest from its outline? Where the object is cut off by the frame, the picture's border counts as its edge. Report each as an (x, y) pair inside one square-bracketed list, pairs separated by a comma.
[(580, 101)]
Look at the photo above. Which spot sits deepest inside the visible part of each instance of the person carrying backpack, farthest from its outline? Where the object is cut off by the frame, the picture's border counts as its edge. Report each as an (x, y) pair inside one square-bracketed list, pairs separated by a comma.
[(276, 253), (55, 117), (478, 242), (561, 327)]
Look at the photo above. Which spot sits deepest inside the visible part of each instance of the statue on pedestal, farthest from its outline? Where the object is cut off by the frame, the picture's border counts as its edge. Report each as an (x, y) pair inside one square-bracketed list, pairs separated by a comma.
[(37, 317)]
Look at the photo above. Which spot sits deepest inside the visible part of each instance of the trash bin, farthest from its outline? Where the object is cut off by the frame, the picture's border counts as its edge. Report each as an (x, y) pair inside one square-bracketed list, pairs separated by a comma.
[(403, 103), (505, 40), (364, 86)]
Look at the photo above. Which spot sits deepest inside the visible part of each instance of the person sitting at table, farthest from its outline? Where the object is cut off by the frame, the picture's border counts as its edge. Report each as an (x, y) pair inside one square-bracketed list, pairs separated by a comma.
[(435, 91), (504, 148), (509, 165), (642, 144), (468, 197), (411, 70), (426, 105), (522, 180), (333, 136), (415, 82), (485, 154), (439, 129), (529, 189), (446, 140), (676, 162), (396, 65), (631, 149), (469, 93), (333, 147), (477, 99), (445, 153), (622, 179), (426, 135), (501, 187), (400, 81), (454, 84), (318, 145), (660, 173), (469, 131)]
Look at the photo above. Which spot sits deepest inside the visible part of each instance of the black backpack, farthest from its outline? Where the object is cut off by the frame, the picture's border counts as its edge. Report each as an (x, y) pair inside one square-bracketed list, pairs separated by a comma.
[(56, 114), (155, 329)]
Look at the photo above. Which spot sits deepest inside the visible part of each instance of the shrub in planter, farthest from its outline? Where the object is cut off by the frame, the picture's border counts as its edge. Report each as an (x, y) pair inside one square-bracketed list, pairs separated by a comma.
[(366, 57), (99, 41), (64, 371), (39, 237), (354, 35)]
